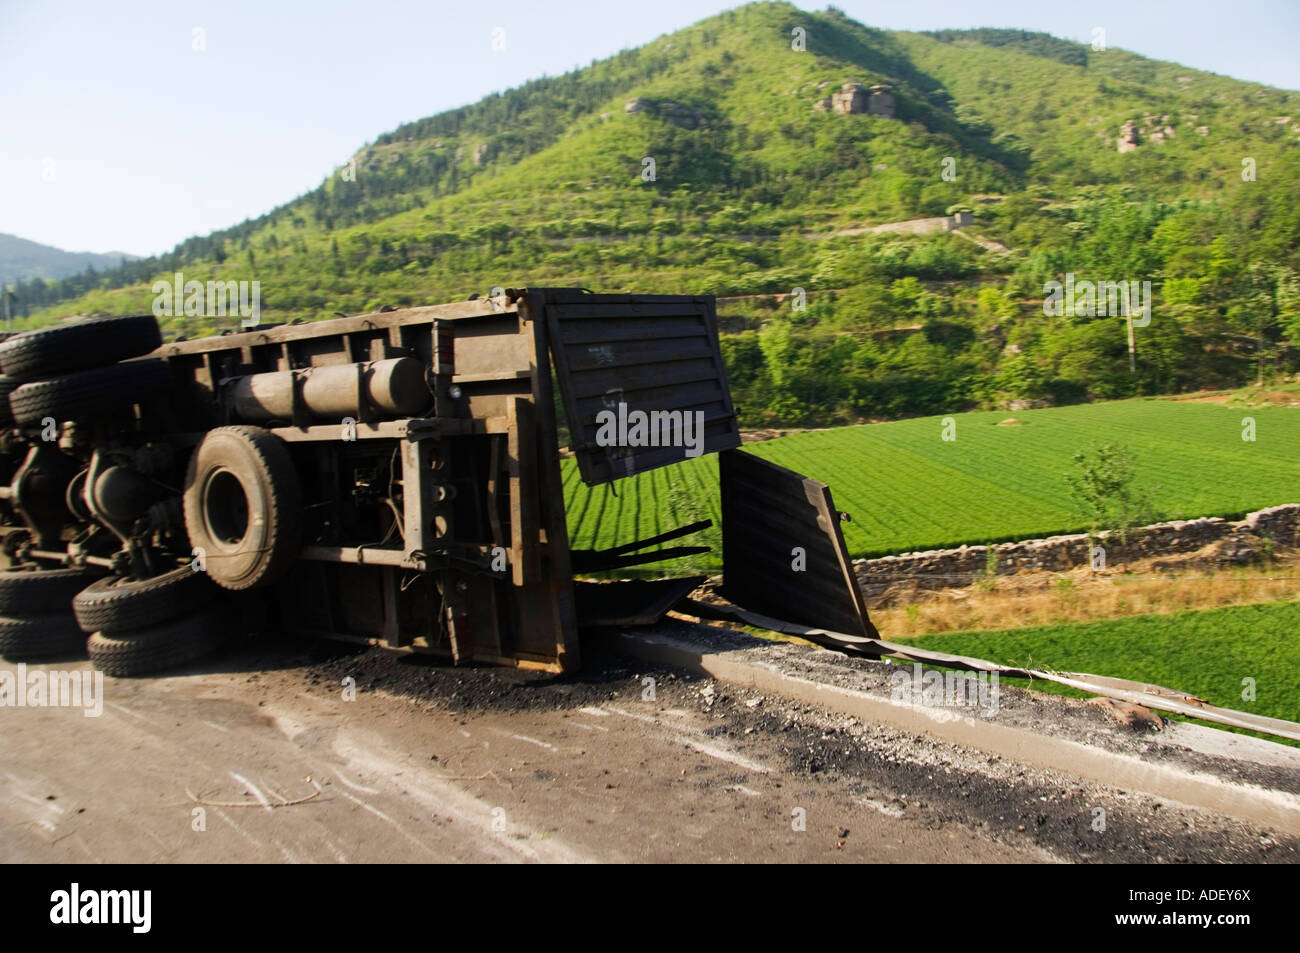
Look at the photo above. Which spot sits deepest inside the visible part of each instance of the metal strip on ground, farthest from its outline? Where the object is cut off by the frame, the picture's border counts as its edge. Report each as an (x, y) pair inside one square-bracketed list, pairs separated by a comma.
[(1141, 693)]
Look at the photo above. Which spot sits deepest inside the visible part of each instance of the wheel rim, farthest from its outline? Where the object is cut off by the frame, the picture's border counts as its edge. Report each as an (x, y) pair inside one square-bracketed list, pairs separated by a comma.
[(226, 508)]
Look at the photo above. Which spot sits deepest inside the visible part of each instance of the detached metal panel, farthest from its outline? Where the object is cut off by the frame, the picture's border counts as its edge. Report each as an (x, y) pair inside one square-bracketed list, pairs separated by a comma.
[(631, 355), (767, 513)]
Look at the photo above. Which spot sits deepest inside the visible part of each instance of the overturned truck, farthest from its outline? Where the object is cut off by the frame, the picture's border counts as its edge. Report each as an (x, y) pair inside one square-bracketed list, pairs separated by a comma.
[(392, 478)]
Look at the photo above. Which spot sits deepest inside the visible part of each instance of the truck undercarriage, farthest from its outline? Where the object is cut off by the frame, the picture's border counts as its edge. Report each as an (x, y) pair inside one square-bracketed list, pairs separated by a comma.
[(391, 478)]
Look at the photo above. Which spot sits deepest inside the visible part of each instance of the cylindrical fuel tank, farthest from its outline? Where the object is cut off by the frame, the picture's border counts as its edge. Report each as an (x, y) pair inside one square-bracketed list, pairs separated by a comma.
[(398, 386), (392, 388)]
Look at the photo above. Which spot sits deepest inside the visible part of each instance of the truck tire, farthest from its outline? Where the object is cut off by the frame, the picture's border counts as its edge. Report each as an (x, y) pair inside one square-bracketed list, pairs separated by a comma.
[(7, 385), (95, 393), (38, 637), (156, 648), (116, 604), (30, 592), (64, 348), (243, 507)]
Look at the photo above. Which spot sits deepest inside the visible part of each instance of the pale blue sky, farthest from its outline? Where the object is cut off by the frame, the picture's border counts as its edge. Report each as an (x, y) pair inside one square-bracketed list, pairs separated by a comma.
[(116, 135)]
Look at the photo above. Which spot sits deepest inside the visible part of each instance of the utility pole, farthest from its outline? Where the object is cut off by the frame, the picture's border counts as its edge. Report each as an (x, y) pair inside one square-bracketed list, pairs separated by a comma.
[(1132, 346), (1261, 353), (1132, 342)]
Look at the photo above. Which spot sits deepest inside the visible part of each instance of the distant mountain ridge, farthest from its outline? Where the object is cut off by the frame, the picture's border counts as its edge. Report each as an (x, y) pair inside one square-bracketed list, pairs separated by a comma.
[(22, 260), (437, 206)]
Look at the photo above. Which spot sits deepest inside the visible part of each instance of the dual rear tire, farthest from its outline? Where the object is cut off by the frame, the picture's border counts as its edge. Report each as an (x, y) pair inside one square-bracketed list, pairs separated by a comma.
[(94, 393), (36, 619), (242, 507), (71, 371), (80, 346), (157, 648), (145, 626)]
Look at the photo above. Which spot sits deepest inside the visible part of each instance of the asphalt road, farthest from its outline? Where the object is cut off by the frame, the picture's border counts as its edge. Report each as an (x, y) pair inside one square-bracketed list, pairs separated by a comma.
[(270, 755)]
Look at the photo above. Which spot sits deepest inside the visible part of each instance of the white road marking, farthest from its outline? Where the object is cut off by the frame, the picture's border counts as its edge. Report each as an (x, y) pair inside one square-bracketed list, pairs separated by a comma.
[(696, 743), (356, 787), (126, 711), (41, 803), (261, 798), (82, 844), (445, 798), (388, 820), (883, 807), (239, 830), (338, 854), (276, 794)]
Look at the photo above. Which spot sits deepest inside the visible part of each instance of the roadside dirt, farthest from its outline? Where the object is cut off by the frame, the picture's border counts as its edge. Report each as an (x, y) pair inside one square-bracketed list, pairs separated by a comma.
[(430, 762)]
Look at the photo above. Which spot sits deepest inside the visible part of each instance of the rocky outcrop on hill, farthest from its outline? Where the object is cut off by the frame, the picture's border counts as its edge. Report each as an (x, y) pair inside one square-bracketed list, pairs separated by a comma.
[(877, 100), (664, 109), (1152, 129)]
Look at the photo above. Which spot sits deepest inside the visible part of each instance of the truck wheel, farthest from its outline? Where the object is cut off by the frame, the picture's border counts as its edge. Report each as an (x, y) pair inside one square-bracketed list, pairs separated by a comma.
[(64, 348), (116, 604), (7, 385), (36, 591), (95, 393), (156, 648), (40, 637), (243, 507)]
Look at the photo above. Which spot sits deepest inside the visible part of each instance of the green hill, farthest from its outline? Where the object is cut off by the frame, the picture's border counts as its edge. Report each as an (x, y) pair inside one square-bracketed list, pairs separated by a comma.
[(755, 192)]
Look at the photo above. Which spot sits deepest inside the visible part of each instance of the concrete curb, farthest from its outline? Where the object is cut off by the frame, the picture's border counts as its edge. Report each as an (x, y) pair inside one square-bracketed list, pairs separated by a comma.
[(1277, 809)]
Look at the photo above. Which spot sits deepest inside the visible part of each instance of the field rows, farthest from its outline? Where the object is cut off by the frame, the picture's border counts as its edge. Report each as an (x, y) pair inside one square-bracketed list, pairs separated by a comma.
[(907, 488), (645, 505)]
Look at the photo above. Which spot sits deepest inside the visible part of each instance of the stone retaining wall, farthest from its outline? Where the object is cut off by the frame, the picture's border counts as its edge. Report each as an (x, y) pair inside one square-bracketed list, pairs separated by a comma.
[(1245, 541)]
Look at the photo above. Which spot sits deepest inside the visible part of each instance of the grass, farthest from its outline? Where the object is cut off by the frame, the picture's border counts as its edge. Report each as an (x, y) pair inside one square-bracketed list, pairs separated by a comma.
[(1208, 653), (907, 489), (1079, 596)]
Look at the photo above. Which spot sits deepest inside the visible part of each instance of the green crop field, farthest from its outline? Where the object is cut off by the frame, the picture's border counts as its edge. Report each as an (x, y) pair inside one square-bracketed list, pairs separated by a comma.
[(907, 489), (1207, 653)]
